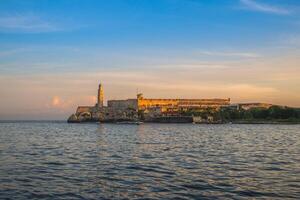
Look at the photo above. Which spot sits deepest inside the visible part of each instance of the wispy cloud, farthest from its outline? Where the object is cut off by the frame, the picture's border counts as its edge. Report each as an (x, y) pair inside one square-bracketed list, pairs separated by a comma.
[(26, 23), (291, 40), (230, 54), (10, 52), (260, 7)]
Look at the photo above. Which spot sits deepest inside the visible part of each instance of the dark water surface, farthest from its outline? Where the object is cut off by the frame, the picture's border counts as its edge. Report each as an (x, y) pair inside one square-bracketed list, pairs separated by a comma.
[(150, 161)]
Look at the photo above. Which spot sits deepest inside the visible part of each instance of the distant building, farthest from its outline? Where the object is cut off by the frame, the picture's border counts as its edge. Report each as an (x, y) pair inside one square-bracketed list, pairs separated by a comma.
[(141, 103), (181, 104), (247, 106)]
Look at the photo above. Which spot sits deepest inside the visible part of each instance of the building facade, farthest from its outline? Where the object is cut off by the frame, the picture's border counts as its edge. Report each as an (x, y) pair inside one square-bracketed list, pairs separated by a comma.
[(180, 104)]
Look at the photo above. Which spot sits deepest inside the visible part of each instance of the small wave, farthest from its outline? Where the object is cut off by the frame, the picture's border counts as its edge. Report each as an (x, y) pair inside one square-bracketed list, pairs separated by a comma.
[(54, 163)]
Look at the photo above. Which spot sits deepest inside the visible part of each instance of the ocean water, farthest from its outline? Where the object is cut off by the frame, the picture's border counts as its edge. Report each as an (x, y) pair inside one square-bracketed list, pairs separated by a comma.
[(51, 160)]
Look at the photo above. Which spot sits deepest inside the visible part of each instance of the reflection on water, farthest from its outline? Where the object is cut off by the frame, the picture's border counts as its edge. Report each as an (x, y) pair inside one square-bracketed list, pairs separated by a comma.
[(105, 161)]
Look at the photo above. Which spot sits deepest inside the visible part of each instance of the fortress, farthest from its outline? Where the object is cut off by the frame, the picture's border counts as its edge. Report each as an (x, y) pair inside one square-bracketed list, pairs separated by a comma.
[(140, 108), (145, 109)]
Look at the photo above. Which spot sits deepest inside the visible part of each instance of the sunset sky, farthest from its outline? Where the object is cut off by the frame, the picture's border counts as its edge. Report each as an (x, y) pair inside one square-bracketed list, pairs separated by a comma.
[(53, 54)]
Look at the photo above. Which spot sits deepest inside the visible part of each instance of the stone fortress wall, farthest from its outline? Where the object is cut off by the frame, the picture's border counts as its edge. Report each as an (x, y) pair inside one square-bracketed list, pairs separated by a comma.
[(82, 109), (144, 103), (123, 104), (141, 103)]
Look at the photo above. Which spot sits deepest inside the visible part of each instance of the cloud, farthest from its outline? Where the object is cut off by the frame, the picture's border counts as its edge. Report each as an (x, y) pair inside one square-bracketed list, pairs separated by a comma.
[(231, 54), (255, 6), (26, 23), (58, 102), (56, 96), (291, 40), (10, 52), (272, 79), (66, 103)]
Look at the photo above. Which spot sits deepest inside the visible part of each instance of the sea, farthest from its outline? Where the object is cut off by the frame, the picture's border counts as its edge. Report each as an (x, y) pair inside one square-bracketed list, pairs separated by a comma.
[(57, 160)]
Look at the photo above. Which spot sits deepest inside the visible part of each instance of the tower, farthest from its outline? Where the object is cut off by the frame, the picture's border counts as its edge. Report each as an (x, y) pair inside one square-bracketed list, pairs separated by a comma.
[(100, 96)]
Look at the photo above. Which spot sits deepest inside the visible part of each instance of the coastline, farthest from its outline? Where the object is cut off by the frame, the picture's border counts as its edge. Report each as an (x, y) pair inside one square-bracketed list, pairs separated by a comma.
[(212, 123), (266, 122), (152, 122)]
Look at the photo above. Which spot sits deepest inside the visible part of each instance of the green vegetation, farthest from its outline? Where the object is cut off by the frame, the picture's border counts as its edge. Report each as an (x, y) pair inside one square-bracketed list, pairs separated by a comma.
[(276, 114)]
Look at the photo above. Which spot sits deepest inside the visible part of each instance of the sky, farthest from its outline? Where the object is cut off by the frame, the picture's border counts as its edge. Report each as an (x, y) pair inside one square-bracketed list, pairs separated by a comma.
[(53, 54)]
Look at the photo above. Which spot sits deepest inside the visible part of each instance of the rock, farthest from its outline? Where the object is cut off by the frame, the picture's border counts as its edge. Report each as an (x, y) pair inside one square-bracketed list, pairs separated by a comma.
[(85, 117), (73, 119)]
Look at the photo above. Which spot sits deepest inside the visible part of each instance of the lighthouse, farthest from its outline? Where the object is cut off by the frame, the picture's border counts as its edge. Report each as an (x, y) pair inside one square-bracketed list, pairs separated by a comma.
[(100, 96)]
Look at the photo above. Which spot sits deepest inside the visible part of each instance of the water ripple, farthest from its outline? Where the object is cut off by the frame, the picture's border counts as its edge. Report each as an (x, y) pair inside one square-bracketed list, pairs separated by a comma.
[(150, 161)]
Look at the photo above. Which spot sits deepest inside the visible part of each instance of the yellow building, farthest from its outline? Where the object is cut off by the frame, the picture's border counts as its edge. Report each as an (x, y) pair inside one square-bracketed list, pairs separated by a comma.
[(180, 104)]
